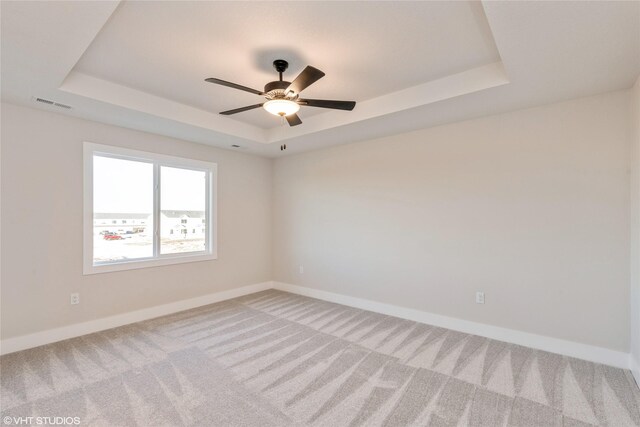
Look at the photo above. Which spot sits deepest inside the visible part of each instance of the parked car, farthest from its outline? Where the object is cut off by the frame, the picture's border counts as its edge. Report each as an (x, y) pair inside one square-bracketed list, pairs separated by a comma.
[(112, 236)]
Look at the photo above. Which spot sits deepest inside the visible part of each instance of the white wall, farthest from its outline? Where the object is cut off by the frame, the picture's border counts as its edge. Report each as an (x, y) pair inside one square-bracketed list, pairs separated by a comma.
[(532, 207), (635, 234), (42, 199)]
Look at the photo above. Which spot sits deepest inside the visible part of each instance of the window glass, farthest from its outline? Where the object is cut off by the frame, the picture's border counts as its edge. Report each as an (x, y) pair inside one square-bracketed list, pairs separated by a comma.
[(183, 198), (122, 192)]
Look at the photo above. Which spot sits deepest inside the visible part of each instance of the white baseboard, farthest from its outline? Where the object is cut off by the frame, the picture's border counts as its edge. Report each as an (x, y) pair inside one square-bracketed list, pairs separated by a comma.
[(568, 348), (634, 365), (591, 353), (24, 342)]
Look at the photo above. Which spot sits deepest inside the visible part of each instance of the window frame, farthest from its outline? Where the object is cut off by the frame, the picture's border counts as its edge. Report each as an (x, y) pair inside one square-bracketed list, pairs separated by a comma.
[(157, 160)]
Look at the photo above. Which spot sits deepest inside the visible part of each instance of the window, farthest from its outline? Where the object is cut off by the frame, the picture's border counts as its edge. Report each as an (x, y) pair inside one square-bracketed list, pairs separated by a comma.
[(163, 194)]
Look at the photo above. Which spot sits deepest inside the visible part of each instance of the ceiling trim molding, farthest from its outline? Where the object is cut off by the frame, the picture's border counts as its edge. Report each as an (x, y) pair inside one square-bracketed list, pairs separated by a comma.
[(123, 96)]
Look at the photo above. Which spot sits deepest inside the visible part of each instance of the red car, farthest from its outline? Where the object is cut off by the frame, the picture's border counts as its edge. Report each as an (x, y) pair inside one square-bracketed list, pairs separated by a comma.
[(112, 236)]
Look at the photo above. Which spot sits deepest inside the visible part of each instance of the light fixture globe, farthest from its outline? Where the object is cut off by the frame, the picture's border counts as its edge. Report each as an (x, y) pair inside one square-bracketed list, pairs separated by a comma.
[(281, 107)]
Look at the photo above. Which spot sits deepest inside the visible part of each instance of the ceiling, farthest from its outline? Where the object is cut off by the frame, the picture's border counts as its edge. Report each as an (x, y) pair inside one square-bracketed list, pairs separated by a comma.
[(409, 65)]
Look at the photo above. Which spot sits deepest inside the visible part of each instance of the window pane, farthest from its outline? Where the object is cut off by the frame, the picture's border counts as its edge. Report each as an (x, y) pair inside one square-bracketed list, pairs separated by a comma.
[(182, 210), (122, 209)]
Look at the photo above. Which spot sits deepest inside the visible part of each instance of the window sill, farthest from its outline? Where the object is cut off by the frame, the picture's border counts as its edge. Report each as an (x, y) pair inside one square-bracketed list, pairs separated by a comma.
[(136, 264)]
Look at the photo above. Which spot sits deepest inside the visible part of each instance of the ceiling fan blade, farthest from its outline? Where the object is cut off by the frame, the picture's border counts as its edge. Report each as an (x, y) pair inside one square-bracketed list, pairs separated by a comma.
[(306, 78), (233, 85), (293, 119), (240, 110), (327, 103)]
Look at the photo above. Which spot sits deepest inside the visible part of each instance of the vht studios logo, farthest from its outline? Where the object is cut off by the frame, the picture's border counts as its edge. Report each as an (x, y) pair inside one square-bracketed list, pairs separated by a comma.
[(41, 421)]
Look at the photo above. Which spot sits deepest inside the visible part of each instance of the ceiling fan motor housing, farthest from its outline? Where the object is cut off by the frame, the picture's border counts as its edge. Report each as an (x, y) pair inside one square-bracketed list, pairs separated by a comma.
[(275, 90)]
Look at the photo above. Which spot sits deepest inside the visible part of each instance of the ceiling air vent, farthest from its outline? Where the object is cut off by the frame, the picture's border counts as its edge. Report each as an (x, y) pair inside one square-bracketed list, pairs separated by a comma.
[(55, 104), (44, 101)]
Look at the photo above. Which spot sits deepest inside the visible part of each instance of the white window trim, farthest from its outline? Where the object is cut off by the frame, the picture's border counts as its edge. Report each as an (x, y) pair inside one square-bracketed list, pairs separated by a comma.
[(89, 149)]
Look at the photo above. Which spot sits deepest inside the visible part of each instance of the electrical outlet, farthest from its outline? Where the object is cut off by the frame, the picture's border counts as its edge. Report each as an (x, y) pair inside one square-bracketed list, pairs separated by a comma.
[(479, 297), (75, 298), (301, 269)]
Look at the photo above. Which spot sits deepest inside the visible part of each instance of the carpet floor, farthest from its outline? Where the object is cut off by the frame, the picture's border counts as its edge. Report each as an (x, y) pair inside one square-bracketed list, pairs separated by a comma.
[(278, 359)]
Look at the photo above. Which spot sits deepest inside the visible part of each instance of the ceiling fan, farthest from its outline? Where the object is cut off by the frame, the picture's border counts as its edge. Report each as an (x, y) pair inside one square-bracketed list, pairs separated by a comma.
[(283, 98)]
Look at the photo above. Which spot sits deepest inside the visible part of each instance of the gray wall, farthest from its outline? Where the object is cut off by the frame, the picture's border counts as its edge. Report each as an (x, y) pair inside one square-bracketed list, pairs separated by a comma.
[(42, 225), (531, 207), (635, 233)]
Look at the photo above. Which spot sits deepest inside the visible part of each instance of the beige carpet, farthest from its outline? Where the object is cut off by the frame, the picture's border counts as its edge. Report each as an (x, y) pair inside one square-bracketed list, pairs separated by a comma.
[(277, 359)]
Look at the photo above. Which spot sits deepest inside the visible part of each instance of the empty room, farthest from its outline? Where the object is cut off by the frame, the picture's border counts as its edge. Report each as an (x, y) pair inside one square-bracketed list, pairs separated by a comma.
[(320, 213)]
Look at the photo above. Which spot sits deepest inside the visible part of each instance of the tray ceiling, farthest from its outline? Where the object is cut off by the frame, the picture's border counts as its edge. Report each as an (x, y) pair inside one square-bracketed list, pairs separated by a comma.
[(408, 64)]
